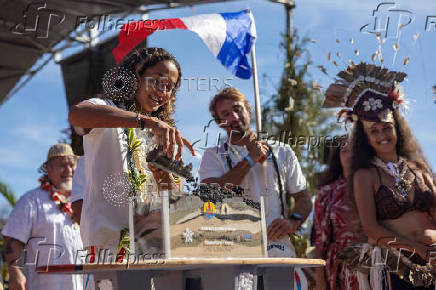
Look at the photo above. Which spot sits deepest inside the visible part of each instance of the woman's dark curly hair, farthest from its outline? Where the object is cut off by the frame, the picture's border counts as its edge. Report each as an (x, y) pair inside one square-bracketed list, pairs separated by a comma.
[(142, 58), (334, 168), (407, 146)]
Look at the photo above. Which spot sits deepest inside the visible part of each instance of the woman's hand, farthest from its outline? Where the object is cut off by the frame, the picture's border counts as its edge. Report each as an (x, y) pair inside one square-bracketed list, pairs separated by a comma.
[(168, 137)]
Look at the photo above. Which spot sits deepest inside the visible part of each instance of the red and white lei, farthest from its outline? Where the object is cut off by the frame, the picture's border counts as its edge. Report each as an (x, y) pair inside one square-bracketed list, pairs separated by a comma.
[(59, 199)]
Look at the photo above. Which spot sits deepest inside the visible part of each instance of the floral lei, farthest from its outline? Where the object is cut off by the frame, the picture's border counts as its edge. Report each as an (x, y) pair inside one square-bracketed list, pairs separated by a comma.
[(59, 199)]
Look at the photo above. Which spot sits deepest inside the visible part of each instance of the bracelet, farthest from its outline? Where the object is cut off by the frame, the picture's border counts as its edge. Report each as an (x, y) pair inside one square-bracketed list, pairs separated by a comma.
[(142, 121), (138, 119), (248, 158)]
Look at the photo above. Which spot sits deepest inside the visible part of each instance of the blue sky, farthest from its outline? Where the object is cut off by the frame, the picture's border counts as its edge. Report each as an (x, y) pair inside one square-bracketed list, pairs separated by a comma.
[(32, 120)]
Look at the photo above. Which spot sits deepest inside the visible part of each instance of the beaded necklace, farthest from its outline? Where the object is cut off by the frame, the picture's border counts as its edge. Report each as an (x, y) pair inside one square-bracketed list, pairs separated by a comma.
[(397, 170)]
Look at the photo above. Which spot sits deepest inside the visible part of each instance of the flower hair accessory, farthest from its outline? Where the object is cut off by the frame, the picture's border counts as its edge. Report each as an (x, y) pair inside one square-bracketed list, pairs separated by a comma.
[(370, 92), (346, 115), (119, 84)]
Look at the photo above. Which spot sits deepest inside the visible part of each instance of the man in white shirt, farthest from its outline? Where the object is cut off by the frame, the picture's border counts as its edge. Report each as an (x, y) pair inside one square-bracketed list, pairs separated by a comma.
[(240, 161), (40, 229)]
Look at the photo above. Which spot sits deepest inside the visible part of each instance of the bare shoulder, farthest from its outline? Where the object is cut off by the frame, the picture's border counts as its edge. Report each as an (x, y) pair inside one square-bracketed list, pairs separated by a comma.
[(365, 179), (364, 174)]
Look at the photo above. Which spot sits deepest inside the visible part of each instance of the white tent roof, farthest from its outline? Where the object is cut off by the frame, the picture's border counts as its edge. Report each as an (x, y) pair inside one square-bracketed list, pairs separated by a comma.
[(28, 31)]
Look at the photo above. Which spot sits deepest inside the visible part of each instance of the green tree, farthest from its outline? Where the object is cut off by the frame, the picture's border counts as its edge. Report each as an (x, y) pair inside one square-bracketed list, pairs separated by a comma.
[(10, 196), (295, 115), (7, 193)]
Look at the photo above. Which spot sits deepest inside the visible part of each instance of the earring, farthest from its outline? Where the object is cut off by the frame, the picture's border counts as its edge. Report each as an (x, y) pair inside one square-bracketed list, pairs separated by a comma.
[(119, 84)]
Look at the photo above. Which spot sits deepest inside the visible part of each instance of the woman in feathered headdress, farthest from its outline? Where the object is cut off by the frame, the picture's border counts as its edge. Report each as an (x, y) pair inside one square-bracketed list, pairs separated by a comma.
[(391, 184)]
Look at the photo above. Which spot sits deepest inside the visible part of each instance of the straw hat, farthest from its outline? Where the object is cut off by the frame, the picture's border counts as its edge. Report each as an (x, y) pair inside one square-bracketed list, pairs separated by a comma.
[(59, 150)]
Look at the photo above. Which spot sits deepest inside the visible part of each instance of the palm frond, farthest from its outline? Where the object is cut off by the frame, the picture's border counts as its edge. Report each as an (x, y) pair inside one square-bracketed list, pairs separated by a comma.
[(7, 193)]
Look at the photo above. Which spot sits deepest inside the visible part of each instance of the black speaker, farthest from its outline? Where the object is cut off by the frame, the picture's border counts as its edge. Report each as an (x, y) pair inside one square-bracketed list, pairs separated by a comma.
[(82, 72)]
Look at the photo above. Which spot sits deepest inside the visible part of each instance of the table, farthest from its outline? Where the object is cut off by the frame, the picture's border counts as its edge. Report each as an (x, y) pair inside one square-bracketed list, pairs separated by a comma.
[(215, 273)]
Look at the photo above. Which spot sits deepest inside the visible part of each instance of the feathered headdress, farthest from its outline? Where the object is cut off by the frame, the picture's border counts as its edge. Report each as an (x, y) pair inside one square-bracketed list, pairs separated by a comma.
[(370, 92)]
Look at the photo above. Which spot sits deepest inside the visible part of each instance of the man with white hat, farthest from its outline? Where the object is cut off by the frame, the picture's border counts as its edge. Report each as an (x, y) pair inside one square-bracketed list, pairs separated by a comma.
[(40, 229)]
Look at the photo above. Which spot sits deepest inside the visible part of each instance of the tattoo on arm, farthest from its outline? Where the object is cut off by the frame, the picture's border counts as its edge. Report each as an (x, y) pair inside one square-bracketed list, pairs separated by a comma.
[(8, 248), (13, 251)]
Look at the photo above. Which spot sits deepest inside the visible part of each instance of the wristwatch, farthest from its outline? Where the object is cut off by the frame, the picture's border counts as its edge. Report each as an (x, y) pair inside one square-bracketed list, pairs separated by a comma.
[(296, 216)]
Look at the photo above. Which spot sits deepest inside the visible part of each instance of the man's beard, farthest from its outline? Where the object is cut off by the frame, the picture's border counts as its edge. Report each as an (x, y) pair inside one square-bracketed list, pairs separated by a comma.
[(65, 186), (238, 135), (239, 129)]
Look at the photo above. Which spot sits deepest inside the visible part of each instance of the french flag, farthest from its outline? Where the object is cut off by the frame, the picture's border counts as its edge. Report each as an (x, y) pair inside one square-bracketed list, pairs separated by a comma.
[(229, 36)]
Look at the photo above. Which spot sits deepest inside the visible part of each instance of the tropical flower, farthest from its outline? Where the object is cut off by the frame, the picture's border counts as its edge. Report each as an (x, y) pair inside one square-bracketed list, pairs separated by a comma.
[(372, 104)]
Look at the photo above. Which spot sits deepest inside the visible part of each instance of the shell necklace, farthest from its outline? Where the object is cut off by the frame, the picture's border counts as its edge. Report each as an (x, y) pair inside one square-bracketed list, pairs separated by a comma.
[(397, 170)]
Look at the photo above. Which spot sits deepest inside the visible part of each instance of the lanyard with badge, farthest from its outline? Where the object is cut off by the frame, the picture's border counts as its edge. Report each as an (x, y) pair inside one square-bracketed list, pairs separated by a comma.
[(276, 167)]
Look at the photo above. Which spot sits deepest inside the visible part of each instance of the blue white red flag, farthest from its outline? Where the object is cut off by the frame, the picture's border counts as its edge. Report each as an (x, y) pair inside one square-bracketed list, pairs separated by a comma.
[(229, 36)]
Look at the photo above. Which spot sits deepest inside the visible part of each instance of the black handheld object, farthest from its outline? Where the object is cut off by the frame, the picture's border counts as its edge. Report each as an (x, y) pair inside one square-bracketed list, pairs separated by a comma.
[(158, 159)]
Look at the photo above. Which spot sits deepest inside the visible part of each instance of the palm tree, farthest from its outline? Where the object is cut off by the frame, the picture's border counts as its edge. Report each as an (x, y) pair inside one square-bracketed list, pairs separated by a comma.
[(7, 193), (10, 196)]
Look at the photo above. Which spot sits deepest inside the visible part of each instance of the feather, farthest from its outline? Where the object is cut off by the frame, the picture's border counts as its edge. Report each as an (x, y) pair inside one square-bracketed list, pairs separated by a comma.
[(378, 35), (346, 75), (380, 58), (336, 90), (292, 82), (291, 105), (322, 68), (400, 77), (434, 93), (317, 87), (332, 102)]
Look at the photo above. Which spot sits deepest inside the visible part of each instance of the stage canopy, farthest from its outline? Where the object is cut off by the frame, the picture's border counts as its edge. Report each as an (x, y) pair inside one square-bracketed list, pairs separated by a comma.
[(28, 30)]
